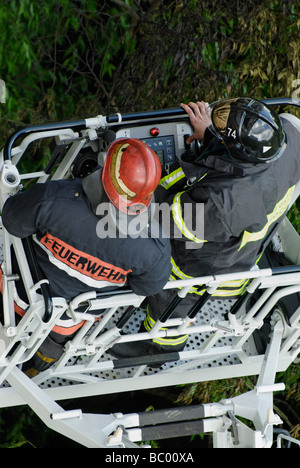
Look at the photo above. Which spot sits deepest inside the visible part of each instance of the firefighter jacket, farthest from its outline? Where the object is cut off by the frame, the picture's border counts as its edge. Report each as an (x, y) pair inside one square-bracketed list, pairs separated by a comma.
[(71, 253), (238, 204)]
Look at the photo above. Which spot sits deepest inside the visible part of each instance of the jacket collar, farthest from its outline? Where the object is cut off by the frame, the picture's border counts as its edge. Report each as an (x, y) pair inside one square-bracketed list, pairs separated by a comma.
[(96, 196), (93, 189), (213, 156)]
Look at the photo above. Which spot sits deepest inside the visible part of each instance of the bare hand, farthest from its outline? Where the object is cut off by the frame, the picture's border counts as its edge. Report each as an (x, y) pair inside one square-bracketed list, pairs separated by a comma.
[(199, 118)]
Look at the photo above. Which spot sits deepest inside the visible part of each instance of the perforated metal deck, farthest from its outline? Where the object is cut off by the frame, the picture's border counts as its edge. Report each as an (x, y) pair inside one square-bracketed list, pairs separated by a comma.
[(213, 311)]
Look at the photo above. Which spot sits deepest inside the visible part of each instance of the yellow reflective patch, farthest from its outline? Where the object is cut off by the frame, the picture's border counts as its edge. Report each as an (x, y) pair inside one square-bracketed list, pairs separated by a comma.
[(171, 341), (278, 211), (44, 358), (177, 216), (172, 179)]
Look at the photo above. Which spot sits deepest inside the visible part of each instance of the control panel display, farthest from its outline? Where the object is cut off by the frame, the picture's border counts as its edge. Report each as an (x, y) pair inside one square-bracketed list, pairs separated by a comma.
[(167, 139), (164, 147)]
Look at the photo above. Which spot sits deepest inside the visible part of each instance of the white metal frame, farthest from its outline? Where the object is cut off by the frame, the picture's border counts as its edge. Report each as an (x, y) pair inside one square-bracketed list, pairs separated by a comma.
[(86, 362)]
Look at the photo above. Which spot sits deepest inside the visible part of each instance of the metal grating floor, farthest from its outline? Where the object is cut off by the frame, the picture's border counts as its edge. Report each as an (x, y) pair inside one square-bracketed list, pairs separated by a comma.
[(213, 310)]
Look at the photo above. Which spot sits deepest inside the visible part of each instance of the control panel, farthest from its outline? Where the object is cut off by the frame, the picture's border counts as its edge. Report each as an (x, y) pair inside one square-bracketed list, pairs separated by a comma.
[(164, 147), (166, 139)]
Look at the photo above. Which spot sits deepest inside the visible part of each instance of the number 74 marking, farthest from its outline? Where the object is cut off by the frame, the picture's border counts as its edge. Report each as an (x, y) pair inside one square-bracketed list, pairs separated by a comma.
[(231, 133)]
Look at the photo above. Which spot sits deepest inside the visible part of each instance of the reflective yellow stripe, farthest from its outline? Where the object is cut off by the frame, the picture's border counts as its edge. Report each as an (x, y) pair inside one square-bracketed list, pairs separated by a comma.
[(178, 272), (44, 358), (226, 288), (170, 341), (149, 322), (278, 211), (177, 215), (172, 179), (234, 288)]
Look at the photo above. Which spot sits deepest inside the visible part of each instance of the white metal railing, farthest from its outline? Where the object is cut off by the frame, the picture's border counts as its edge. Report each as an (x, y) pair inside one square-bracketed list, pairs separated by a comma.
[(94, 339)]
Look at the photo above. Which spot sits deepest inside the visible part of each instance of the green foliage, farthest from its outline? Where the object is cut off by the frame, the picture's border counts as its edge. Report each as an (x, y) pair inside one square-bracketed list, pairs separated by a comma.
[(56, 56), (286, 405), (12, 435), (63, 59), (214, 391)]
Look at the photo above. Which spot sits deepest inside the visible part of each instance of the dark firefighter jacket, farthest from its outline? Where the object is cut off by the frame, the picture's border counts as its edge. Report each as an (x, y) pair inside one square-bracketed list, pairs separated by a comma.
[(238, 204), (69, 250)]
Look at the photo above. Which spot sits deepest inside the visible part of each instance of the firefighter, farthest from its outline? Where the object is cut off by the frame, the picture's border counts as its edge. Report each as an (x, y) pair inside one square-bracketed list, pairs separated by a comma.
[(65, 220), (241, 176)]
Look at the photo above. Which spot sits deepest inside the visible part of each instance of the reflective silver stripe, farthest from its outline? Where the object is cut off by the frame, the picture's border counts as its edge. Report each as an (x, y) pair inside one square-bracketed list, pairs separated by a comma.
[(94, 283), (177, 216), (172, 178)]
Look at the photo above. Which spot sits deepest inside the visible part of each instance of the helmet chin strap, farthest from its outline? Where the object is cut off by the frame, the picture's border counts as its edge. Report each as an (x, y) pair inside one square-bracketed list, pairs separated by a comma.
[(235, 155)]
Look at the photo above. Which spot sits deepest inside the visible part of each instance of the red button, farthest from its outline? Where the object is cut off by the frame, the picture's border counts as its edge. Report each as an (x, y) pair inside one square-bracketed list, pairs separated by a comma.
[(154, 131)]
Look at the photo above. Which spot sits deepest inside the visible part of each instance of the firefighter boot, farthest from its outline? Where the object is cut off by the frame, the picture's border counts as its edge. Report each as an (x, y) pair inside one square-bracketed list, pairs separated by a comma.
[(145, 348), (48, 353)]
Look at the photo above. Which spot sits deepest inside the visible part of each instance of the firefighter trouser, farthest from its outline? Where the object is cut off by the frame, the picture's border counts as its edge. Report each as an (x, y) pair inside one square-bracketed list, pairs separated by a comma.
[(156, 307), (48, 353)]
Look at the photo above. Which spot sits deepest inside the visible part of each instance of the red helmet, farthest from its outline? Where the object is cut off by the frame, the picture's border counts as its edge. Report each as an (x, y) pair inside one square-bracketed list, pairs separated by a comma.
[(131, 173)]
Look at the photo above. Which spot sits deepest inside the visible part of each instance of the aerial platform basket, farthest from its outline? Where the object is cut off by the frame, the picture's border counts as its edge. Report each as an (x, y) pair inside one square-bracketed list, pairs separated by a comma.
[(224, 336)]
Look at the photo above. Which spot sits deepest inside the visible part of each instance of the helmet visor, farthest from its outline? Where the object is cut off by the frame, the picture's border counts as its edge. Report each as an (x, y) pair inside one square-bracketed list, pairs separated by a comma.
[(250, 130)]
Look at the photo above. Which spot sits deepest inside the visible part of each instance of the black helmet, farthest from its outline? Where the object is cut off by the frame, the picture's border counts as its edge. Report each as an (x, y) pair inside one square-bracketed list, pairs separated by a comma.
[(251, 131)]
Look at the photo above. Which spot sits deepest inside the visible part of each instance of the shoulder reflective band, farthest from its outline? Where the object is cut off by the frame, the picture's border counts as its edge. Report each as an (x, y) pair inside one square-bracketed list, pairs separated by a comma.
[(279, 209), (172, 179), (177, 215)]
